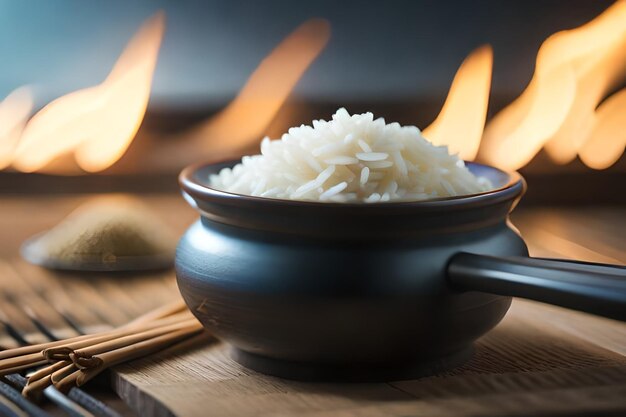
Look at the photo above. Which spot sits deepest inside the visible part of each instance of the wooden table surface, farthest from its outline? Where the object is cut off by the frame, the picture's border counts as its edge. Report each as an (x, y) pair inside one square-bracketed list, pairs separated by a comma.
[(540, 360)]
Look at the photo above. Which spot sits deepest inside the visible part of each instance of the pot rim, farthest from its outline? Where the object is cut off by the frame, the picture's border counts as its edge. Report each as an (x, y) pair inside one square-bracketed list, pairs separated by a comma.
[(333, 221), (513, 187)]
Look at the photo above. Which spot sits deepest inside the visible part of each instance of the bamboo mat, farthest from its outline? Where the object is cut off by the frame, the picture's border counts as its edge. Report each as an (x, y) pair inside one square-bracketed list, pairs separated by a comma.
[(540, 360), (94, 303)]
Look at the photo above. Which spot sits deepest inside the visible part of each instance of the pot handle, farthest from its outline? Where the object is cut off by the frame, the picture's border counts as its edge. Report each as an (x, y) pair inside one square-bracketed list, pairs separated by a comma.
[(593, 288)]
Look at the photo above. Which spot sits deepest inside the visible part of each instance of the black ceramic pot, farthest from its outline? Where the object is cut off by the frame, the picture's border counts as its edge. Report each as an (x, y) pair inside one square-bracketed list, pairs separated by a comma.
[(368, 291)]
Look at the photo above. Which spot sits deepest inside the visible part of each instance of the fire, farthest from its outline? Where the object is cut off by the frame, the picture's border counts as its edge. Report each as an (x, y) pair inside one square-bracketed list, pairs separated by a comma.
[(245, 119), (607, 139), (14, 112), (564, 109), (461, 121), (575, 69), (242, 123), (96, 124)]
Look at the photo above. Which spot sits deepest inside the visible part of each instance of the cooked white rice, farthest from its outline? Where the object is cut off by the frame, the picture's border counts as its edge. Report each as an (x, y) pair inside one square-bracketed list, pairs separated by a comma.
[(350, 159)]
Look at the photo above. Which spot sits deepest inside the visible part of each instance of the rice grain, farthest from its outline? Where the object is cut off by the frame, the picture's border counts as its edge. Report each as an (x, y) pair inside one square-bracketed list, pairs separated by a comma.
[(351, 158)]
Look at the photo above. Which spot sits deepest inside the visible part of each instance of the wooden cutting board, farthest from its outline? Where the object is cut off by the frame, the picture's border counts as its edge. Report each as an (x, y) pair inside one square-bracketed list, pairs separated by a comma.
[(540, 360)]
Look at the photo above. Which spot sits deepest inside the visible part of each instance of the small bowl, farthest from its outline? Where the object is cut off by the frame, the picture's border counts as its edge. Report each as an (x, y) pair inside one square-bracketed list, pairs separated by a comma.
[(336, 291)]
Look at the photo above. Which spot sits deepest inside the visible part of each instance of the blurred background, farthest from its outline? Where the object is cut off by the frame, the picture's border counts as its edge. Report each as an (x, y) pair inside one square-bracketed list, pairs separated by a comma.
[(396, 58)]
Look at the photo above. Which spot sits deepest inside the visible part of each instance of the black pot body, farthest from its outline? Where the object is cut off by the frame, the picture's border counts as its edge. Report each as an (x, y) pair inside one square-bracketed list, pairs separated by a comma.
[(350, 289)]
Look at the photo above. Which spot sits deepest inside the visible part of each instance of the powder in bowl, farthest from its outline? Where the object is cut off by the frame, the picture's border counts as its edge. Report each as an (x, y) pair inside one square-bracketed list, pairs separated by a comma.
[(351, 159), (107, 233)]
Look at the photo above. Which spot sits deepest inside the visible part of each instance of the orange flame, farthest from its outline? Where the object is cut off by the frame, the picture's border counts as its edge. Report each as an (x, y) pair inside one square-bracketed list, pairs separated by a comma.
[(14, 112), (575, 69), (97, 124), (560, 109), (461, 121), (245, 119), (607, 139)]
